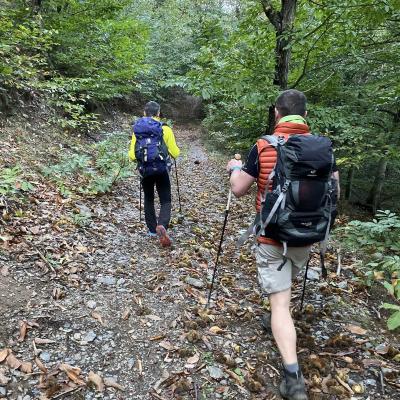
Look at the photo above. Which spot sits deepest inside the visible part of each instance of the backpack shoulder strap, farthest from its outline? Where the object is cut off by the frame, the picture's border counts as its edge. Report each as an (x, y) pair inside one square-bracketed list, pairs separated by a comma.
[(271, 139)]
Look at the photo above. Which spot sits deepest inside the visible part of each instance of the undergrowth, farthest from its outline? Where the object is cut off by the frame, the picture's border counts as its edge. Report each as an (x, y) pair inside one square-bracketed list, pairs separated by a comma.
[(94, 173), (377, 246)]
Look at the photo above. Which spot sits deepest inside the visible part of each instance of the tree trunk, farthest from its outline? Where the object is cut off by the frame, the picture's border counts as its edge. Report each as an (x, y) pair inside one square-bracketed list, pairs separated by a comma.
[(376, 190), (349, 183), (282, 22)]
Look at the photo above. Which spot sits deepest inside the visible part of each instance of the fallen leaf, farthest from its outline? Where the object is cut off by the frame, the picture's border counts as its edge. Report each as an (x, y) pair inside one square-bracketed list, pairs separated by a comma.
[(3, 379), (236, 377), (35, 230), (382, 349), (371, 362), (126, 314), (344, 384), (166, 345), (193, 360), (26, 367), (153, 317), (72, 373), (43, 341), (158, 337), (358, 388), (357, 330), (140, 366), (40, 365), (3, 354), (216, 329), (98, 317), (23, 328), (379, 275), (12, 361), (112, 383), (58, 294), (96, 380)]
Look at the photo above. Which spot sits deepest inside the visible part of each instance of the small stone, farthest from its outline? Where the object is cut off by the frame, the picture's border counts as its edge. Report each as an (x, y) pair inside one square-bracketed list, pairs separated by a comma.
[(84, 210), (131, 362), (370, 382), (342, 285), (197, 283), (45, 356), (91, 304), (312, 275), (215, 372), (120, 281), (107, 280), (3, 391), (89, 337)]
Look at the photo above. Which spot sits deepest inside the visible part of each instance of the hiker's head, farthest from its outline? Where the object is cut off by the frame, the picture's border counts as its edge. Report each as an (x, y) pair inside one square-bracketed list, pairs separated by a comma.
[(290, 102), (152, 109)]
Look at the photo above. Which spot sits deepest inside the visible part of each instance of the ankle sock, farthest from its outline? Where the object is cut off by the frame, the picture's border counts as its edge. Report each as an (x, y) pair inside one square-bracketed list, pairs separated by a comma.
[(292, 368)]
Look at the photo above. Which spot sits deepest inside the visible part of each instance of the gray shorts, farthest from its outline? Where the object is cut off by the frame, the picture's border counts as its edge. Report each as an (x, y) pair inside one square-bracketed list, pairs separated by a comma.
[(269, 258)]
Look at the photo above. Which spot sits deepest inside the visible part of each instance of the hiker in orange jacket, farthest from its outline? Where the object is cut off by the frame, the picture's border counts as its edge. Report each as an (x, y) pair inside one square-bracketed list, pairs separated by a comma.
[(290, 113)]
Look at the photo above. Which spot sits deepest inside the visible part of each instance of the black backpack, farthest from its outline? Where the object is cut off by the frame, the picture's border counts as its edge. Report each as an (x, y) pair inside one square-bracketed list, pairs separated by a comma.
[(301, 207)]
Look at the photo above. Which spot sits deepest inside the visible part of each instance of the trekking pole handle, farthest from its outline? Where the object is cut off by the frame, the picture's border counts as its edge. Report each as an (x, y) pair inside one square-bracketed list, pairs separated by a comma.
[(228, 204)]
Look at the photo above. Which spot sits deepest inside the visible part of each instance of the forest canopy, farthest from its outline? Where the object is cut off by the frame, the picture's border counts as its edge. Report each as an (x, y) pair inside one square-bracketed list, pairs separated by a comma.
[(235, 55)]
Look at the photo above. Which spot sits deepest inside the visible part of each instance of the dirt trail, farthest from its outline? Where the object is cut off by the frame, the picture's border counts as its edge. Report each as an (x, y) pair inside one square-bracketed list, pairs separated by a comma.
[(112, 301)]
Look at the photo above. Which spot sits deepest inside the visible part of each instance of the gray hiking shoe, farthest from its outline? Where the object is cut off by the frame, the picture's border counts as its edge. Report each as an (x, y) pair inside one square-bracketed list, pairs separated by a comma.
[(293, 387)]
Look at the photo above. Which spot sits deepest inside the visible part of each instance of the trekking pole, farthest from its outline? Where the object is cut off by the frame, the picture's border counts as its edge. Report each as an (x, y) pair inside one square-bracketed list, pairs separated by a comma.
[(177, 186), (140, 200), (304, 284), (228, 204)]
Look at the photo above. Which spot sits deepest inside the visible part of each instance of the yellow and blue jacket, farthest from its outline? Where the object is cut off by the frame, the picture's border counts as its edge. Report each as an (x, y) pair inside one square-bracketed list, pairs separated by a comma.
[(169, 139)]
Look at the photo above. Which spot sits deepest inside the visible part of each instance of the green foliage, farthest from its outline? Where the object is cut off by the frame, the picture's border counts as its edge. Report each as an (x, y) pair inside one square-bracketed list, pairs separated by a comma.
[(377, 244), (12, 182), (23, 47), (394, 320), (98, 43), (379, 235), (73, 53), (344, 56), (94, 174)]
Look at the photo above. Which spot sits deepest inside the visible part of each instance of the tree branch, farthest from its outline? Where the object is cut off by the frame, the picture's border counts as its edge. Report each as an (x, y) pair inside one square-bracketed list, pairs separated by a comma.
[(271, 14), (303, 72), (324, 22)]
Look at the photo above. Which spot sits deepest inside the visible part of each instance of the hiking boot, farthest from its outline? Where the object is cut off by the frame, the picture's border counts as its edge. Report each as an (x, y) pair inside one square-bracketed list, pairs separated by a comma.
[(266, 322), (152, 234), (163, 236), (293, 387)]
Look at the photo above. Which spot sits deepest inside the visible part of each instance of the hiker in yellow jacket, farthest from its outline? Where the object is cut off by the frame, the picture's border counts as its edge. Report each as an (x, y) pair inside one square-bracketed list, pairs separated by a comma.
[(152, 146)]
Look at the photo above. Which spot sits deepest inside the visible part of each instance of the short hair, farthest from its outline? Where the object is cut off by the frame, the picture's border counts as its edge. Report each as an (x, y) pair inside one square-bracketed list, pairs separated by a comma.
[(152, 109), (291, 102)]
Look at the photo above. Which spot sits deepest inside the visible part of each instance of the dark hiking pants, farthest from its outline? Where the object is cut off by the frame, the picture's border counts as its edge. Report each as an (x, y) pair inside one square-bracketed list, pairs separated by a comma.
[(163, 186)]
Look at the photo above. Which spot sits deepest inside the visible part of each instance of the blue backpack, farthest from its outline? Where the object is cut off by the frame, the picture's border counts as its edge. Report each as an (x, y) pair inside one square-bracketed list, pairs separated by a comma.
[(151, 151)]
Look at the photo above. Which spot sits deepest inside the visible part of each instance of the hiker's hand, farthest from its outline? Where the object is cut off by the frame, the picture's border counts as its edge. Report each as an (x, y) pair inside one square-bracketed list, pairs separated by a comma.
[(233, 164)]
